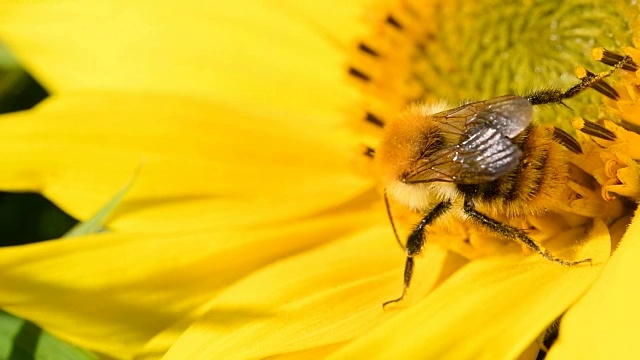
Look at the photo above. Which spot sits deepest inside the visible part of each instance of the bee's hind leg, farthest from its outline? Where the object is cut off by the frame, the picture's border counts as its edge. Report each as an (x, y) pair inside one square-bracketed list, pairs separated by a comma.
[(512, 233)]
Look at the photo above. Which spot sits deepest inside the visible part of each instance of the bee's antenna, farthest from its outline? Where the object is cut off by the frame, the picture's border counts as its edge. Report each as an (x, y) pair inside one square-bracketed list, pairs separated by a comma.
[(393, 225)]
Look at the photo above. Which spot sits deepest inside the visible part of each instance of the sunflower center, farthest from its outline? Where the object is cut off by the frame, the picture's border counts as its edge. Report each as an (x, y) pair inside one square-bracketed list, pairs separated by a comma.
[(459, 50)]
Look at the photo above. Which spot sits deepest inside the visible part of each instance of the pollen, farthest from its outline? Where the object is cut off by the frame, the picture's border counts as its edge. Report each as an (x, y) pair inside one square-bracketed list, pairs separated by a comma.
[(614, 159), (621, 170), (588, 202), (610, 159)]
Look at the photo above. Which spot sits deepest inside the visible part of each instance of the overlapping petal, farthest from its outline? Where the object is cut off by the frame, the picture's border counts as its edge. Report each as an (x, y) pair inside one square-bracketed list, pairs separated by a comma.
[(311, 301), (112, 292), (133, 91), (606, 322), (490, 309)]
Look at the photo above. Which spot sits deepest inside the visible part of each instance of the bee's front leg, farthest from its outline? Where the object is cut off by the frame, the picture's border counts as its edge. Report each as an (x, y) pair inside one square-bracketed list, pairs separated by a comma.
[(415, 242)]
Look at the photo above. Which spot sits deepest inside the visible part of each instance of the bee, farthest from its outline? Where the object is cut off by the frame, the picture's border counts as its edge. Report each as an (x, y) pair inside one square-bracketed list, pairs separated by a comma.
[(482, 160)]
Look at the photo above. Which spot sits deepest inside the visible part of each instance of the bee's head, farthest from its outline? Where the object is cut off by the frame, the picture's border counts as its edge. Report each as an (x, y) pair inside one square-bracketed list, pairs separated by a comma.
[(406, 143)]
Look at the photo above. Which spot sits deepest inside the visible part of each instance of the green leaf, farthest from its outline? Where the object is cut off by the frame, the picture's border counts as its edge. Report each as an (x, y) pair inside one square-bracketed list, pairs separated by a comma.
[(18, 90), (11, 73), (97, 221), (23, 340)]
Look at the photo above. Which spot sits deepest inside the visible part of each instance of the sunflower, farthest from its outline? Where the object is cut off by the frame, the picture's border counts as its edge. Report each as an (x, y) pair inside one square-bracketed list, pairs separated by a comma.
[(250, 225)]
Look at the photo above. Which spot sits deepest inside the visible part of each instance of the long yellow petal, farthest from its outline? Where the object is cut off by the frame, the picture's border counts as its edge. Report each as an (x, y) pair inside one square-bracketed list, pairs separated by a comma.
[(194, 161)]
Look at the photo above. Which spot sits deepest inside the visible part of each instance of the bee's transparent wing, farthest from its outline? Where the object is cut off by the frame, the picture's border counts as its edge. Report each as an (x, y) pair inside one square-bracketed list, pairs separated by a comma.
[(509, 114)]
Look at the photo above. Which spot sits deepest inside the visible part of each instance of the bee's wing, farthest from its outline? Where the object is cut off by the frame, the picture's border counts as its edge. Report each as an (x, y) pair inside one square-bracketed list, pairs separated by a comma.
[(483, 150), (483, 157), (508, 114)]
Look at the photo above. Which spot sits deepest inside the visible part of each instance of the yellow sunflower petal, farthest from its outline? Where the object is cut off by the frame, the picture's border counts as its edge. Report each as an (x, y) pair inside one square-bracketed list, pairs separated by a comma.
[(246, 53), (313, 300), (102, 292), (605, 323), (194, 161), (490, 309)]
